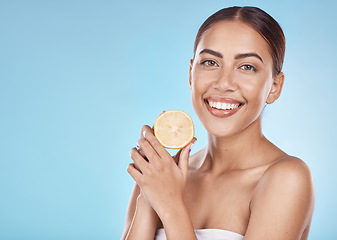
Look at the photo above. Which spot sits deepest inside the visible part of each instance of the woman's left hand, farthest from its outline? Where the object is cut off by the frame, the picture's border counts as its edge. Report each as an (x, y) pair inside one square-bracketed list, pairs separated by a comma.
[(161, 177)]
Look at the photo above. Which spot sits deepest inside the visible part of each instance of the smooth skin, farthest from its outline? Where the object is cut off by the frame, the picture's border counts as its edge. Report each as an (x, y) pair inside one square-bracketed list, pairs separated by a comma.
[(240, 181)]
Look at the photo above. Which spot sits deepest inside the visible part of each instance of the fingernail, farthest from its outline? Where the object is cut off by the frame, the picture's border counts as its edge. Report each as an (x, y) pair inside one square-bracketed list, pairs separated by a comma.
[(193, 141), (144, 132)]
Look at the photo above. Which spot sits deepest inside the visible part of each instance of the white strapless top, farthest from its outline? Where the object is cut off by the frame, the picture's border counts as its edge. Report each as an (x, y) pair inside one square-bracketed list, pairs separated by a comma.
[(206, 234)]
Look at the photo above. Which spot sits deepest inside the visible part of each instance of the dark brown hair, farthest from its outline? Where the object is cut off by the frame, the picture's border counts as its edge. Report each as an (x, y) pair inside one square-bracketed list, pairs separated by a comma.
[(261, 21)]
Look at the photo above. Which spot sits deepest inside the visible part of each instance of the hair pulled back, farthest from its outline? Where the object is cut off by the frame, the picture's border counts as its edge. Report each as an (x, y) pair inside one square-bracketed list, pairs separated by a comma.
[(261, 21)]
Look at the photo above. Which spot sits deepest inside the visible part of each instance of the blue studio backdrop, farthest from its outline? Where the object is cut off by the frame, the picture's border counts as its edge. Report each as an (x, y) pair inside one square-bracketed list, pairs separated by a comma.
[(78, 79)]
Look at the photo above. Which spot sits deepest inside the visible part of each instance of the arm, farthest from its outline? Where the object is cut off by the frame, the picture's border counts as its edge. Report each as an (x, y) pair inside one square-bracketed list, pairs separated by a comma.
[(139, 209), (131, 210), (162, 181), (144, 222), (177, 223), (283, 202), (140, 216)]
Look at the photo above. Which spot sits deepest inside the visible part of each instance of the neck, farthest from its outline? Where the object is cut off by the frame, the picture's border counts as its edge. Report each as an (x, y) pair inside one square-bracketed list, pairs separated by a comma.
[(239, 151)]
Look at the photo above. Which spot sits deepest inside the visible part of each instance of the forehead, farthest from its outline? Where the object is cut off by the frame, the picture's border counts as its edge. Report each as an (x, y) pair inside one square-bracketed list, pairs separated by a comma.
[(234, 37)]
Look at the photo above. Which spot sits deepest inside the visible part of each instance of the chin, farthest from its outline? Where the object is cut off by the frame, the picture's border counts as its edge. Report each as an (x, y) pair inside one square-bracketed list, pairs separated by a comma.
[(221, 132)]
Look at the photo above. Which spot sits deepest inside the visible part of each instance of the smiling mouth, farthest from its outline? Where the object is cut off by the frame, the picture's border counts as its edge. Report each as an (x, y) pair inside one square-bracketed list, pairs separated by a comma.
[(223, 105)]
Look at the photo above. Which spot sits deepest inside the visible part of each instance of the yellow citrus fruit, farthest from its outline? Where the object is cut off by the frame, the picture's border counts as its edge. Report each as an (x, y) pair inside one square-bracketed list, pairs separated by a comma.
[(174, 129)]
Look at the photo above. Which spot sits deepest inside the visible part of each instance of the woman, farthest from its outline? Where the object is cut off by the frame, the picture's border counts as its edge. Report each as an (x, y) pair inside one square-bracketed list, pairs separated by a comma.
[(240, 186)]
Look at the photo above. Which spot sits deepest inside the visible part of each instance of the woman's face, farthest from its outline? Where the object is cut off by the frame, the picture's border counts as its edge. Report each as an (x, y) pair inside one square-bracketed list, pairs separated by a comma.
[(231, 78)]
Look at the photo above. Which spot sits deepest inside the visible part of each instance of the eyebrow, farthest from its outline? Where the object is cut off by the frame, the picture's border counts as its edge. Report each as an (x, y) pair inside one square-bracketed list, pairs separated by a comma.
[(214, 53), (251, 54), (238, 56)]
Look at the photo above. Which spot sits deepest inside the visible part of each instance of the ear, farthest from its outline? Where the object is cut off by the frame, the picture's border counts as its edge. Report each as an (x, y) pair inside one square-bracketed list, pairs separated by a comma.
[(276, 88), (190, 72)]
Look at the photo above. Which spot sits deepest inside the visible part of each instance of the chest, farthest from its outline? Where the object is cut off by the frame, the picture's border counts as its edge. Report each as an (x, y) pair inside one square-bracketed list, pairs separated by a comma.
[(221, 202)]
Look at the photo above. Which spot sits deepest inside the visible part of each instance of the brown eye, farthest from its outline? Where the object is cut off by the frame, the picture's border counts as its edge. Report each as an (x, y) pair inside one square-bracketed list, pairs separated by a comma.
[(248, 68), (209, 63)]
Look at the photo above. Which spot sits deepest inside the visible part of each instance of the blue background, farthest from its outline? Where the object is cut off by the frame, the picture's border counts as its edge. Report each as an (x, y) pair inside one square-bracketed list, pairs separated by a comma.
[(78, 79)]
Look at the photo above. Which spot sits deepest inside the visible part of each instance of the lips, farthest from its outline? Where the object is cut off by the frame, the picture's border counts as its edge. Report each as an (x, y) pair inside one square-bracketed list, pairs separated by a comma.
[(222, 107)]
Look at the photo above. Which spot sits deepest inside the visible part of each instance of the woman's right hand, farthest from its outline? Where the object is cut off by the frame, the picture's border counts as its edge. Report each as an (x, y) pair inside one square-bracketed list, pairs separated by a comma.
[(141, 199), (141, 221)]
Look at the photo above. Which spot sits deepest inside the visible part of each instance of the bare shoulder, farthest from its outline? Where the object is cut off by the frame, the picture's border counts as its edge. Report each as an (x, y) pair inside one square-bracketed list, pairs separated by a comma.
[(284, 195), (289, 169), (290, 174)]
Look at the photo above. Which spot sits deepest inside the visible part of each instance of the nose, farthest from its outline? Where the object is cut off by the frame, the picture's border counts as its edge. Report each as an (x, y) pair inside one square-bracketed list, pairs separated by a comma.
[(225, 81)]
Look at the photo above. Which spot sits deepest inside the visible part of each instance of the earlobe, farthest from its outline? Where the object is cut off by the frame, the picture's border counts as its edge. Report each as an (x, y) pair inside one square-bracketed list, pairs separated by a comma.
[(276, 88)]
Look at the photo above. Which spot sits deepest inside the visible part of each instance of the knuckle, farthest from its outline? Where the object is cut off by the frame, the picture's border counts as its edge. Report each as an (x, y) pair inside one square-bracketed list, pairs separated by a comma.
[(132, 152), (141, 153), (144, 144), (140, 142), (152, 139), (128, 168)]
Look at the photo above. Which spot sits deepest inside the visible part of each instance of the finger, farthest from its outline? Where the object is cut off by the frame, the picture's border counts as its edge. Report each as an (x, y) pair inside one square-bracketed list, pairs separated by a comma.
[(161, 151), (147, 150), (142, 154), (184, 157), (140, 150), (134, 173), (139, 162), (145, 128), (177, 155)]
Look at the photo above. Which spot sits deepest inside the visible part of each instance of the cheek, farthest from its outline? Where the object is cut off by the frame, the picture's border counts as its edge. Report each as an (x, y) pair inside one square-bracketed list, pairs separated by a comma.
[(201, 81), (256, 89), (196, 93), (198, 89)]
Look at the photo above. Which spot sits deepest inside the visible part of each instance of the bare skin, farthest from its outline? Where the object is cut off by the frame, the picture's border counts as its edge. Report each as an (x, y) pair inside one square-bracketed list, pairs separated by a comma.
[(240, 181)]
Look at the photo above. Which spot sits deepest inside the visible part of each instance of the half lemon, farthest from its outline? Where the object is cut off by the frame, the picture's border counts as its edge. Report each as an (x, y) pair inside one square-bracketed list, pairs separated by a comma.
[(174, 129)]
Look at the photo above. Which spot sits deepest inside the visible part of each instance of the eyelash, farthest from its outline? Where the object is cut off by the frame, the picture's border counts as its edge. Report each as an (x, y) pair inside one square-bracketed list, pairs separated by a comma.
[(208, 63), (212, 63), (248, 67)]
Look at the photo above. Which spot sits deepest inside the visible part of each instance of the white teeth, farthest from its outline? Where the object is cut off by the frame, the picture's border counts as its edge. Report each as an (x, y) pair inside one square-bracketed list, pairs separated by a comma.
[(222, 105)]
